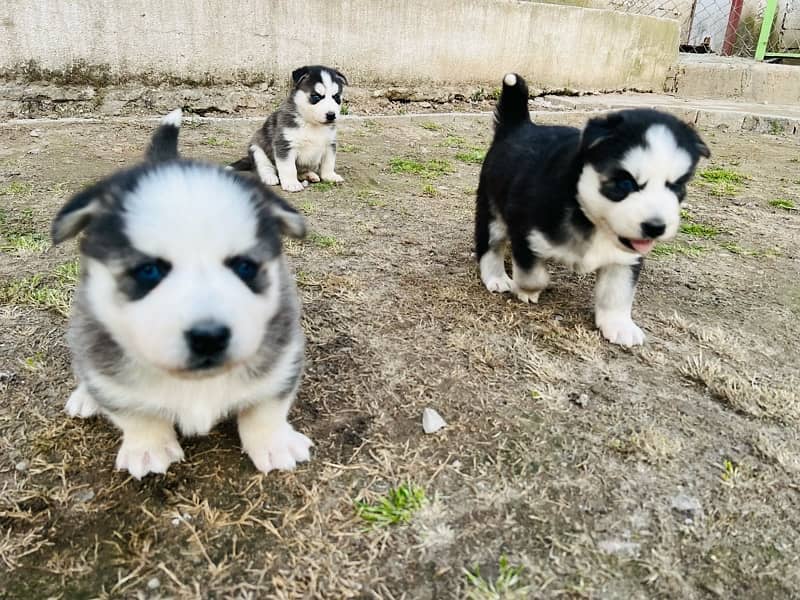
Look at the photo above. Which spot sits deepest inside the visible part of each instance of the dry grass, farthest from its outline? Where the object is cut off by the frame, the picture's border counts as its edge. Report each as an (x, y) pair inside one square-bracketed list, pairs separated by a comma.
[(561, 452)]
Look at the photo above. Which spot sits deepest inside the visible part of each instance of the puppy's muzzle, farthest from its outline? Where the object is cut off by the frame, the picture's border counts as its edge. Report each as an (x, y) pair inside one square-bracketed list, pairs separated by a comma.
[(330, 117), (208, 343), (653, 229)]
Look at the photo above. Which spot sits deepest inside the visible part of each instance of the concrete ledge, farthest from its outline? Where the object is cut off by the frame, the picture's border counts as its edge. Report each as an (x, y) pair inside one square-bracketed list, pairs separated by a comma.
[(716, 77), (214, 41)]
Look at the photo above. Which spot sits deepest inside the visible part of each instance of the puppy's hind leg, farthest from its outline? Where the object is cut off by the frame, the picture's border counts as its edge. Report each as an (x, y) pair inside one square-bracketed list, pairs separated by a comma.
[(268, 438), (490, 239), (529, 271), (264, 167), (616, 285)]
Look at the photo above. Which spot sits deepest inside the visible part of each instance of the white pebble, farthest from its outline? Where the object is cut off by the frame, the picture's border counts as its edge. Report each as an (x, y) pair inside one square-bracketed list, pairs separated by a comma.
[(432, 421), (153, 584)]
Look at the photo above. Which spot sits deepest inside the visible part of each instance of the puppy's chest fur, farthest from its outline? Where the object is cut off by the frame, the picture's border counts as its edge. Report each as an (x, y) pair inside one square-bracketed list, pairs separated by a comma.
[(310, 142), (582, 254)]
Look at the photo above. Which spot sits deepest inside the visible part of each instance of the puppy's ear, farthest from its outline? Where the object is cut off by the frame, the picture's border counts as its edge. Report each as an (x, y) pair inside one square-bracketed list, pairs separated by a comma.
[(78, 212), (299, 74), (340, 75), (289, 220), (599, 129)]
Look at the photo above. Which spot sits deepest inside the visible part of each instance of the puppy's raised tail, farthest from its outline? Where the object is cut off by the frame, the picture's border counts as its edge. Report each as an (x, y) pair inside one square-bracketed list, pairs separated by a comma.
[(164, 143), (512, 108)]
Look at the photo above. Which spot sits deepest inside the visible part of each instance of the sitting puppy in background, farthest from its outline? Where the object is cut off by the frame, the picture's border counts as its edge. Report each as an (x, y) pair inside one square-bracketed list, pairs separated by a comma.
[(186, 312), (298, 141), (595, 200)]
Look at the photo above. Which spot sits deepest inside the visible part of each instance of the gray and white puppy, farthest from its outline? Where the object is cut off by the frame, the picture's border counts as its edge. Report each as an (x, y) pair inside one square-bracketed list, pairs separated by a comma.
[(186, 312), (297, 143)]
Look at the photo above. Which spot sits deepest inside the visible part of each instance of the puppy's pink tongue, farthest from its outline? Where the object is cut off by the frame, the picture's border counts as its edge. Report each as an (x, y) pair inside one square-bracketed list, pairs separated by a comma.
[(643, 246)]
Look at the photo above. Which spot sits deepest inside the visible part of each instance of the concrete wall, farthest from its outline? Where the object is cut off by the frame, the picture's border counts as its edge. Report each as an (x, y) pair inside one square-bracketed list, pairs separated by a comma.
[(396, 41)]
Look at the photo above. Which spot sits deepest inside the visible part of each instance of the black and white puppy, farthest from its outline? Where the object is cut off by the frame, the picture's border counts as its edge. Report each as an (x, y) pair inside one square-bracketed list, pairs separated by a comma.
[(596, 200), (297, 143), (186, 312)]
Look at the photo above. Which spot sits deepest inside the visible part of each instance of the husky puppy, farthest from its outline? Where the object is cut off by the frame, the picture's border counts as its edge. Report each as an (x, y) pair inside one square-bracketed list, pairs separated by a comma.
[(596, 200), (185, 312), (298, 141)]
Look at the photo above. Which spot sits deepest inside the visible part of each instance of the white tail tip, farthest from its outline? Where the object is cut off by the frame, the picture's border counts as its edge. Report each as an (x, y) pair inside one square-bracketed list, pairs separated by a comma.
[(510, 79), (174, 118)]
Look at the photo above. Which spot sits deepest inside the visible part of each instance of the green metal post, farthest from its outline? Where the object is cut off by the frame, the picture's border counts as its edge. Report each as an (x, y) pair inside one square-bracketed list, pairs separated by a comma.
[(766, 28)]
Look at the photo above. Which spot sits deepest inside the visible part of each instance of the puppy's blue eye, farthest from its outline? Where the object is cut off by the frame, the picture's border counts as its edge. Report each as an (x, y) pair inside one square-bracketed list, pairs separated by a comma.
[(315, 98), (149, 274), (244, 268), (626, 186)]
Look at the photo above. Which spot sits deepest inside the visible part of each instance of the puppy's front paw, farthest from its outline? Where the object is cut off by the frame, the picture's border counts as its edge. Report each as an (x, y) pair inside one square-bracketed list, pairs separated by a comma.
[(499, 283), (81, 404), (527, 296), (621, 330), (143, 454), (292, 186), (333, 178), (311, 176), (270, 179), (280, 449)]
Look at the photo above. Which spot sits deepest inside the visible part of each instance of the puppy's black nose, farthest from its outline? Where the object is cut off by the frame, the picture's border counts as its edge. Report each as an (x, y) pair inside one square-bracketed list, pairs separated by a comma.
[(208, 339), (653, 229), (331, 116)]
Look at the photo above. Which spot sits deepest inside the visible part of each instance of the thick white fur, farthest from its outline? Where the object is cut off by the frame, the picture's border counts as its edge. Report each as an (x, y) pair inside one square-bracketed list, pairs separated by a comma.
[(662, 161), (155, 393)]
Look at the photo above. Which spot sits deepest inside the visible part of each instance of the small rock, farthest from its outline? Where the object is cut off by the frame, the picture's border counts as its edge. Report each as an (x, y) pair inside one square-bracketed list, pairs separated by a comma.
[(688, 505), (432, 421), (35, 151), (153, 584), (619, 547), (581, 400), (36, 133), (83, 495), (23, 466)]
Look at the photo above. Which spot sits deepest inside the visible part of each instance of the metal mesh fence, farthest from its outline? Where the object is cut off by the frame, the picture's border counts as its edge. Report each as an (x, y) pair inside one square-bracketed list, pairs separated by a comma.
[(724, 27)]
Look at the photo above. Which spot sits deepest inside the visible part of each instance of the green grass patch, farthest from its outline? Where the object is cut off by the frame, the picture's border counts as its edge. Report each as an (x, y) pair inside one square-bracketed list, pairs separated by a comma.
[(322, 186), (721, 181), (19, 243), (673, 249), (430, 126), (398, 506), (16, 188), (505, 586), (783, 203), (453, 141), (473, 156), (323, 241), (700, 230), (345, 110), (217, 142), (735, 248), (347, 148), (429, 190), (49, 291), (429, 169)]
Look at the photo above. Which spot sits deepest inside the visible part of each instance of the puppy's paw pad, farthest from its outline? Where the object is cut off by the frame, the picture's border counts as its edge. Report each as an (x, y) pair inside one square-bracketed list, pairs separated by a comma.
[(333, 178), (312, 177), (281, 450), (292, 186), (81, 404), (499, 284), (140, 457), (622, 331), (527, 296), (270, 179)]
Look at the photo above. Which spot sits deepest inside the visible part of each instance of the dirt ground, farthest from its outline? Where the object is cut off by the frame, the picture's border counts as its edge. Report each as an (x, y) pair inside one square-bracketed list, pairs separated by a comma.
[(586, 470)]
